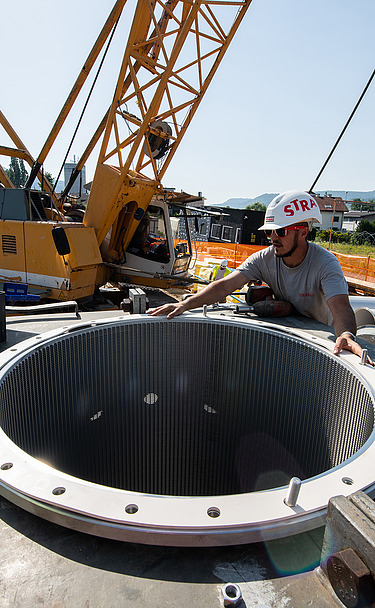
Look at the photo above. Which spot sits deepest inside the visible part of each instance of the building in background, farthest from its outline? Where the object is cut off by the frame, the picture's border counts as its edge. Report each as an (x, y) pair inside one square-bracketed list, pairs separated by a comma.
[(228, 226), (238, 226), (332, 210), (352, 219), (78, 188)]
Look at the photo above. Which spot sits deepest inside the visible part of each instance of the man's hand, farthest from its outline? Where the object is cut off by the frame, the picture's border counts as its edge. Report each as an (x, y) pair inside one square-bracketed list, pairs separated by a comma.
[(168, 310), (216, 291), (344, 342), (345, 326)]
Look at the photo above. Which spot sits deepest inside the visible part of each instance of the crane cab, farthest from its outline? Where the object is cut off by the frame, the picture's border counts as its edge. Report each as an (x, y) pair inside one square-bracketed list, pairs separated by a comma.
[(157, 248)]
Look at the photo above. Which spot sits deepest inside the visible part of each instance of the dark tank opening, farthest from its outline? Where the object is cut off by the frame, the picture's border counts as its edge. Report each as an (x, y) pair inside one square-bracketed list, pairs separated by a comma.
[(185, 407)]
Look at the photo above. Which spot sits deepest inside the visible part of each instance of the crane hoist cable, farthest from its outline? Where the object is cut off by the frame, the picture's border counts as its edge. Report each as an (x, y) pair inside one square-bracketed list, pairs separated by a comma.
[(342, 132), (86, 103)]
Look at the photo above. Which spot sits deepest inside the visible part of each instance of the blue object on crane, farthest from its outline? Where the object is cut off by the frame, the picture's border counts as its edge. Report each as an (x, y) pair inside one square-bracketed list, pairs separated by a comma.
[(18, 292)]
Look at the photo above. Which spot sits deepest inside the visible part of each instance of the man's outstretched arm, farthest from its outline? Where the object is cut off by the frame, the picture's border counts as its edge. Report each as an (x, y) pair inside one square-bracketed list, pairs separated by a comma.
[(345, 326), (216, 291)]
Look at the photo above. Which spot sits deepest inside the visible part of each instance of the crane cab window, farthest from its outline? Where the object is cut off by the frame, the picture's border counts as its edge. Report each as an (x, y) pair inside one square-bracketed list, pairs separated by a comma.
[(150, 239)]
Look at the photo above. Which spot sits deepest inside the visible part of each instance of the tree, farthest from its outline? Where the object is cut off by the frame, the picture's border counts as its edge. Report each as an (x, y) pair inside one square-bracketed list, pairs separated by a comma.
[(369, 205), (359, 205), (257, 207), (366, 226), (17, 172), (50, 179)]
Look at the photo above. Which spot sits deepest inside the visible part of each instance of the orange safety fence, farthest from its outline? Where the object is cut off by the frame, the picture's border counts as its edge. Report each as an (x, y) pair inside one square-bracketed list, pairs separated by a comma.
[(357, 267), (234, 253), (353, 266)]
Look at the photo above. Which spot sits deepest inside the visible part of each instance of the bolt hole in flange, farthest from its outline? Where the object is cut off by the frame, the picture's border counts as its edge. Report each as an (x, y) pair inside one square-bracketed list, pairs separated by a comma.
[(6, 466), (58, 491), (150, 398), (182, 415), (213, 512)]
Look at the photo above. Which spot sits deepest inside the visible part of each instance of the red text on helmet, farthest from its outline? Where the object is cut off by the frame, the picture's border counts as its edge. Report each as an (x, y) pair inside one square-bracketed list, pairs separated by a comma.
[(299, 205)]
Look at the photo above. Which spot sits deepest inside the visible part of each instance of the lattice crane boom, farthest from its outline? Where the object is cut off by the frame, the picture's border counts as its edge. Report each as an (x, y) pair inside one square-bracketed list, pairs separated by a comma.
[(172, 54)]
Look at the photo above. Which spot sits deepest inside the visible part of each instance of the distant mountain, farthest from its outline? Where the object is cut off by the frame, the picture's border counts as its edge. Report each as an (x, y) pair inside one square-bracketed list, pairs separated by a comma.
[(234, 203), (241, 203), (346, 195), (350, 195)]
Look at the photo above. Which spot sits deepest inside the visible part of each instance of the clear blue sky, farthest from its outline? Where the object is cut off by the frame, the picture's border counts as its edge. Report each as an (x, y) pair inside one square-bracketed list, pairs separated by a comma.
[(277, 104)]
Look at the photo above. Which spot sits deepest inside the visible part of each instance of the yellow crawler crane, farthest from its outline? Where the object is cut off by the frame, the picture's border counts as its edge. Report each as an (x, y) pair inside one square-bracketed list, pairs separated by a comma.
[(173, 51)]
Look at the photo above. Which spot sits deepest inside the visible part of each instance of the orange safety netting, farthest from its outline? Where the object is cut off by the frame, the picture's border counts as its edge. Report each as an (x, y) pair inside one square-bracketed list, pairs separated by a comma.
[(234, 253), (353, 266), (357, 267)]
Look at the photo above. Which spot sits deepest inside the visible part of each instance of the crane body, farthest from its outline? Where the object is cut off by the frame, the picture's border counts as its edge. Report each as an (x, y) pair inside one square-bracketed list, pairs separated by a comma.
[(171, 56)]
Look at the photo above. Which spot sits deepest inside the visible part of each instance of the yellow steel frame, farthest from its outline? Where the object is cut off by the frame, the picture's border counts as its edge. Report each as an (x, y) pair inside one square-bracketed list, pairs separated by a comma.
[(173, 51)]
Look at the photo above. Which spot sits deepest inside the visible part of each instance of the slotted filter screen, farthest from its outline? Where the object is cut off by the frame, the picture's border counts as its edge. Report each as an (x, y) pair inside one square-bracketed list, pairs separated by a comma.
[(188, 408)]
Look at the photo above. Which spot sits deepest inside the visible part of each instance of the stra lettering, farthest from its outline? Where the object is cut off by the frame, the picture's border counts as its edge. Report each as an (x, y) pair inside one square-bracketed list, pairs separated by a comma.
[(299, 205)]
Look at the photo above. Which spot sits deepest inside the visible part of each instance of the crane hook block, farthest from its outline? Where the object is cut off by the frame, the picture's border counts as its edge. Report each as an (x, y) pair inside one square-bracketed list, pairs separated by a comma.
[(157, 145)]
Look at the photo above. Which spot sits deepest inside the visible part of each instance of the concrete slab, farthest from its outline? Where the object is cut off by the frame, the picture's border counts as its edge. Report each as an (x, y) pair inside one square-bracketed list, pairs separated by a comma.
[(42, 564)]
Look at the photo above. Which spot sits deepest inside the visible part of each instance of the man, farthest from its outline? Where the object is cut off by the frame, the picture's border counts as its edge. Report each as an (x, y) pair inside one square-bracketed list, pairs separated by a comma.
[(296, 270)]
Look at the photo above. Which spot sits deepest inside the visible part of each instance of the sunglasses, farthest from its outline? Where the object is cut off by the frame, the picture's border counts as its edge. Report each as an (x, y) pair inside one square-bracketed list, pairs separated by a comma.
[(281, 232)]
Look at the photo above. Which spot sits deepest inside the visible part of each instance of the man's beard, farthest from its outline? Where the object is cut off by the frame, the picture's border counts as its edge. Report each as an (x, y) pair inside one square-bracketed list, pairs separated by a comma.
[(291, 250)]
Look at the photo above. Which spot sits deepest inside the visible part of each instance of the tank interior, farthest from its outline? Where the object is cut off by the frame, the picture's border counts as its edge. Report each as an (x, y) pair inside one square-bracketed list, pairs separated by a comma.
[(188, 408)]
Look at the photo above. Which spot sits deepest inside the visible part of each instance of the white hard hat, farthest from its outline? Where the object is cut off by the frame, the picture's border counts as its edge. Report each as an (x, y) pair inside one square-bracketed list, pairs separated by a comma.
[(291, 208)]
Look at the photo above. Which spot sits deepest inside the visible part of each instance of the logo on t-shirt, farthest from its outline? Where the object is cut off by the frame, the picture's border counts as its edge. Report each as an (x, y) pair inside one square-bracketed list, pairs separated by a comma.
[(306, 295)]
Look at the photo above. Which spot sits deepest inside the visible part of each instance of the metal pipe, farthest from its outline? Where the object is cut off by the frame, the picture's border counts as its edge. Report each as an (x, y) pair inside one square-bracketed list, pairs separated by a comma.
[(53, 307)]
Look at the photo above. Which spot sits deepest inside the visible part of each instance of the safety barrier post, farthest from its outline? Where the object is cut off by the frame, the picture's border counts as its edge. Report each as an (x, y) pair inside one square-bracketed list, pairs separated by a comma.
[(367, 266)]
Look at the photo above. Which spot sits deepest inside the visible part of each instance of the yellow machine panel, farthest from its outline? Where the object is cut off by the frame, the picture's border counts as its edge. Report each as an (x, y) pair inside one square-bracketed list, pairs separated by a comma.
[(12, 252), (83, 244), (47, 268), (82, 285)]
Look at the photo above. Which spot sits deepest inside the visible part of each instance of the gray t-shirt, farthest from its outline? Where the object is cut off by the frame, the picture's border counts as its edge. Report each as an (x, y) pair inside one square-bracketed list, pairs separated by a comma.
[(307, 286)]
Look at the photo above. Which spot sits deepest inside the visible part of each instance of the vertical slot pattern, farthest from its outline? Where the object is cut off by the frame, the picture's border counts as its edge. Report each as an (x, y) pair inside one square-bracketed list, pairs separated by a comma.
[(186, 408)]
